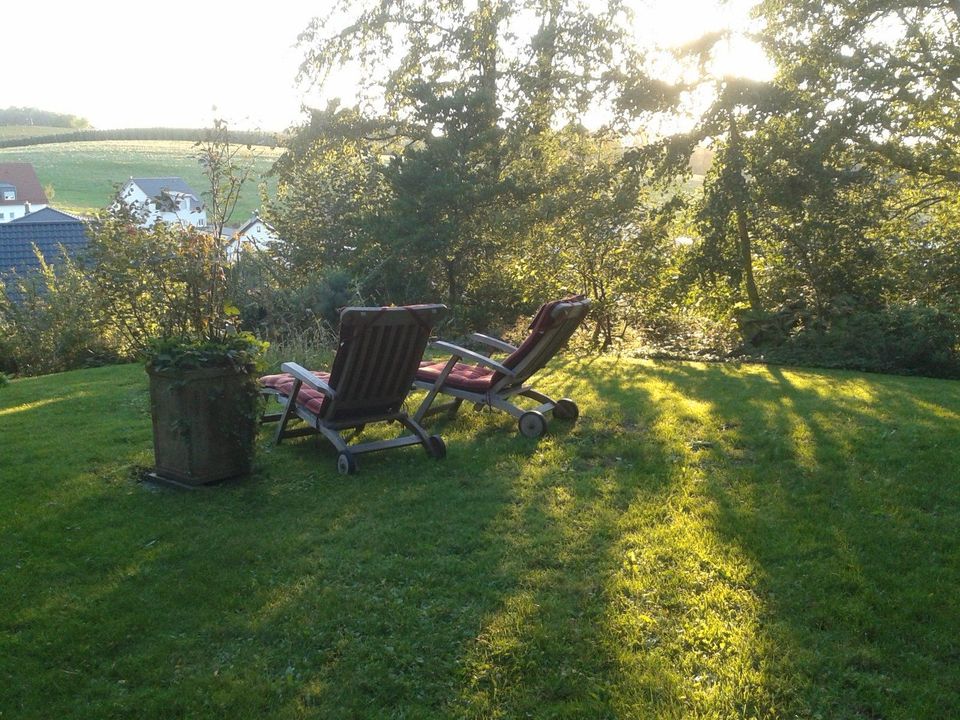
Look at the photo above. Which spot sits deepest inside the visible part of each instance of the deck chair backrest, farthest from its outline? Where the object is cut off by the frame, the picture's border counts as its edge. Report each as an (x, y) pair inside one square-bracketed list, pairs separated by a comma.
[(550, 329), (377, 357)]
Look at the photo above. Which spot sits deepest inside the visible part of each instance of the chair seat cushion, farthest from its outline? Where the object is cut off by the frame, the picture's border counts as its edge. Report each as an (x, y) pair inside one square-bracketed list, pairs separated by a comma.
[(464, 377), (308, 398)]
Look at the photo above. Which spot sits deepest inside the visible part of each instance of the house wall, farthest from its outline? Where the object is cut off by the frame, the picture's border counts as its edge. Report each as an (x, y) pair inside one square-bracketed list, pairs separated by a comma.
[(132, 194), (134, 197), (12, 212), (183, 217), (259, 234)]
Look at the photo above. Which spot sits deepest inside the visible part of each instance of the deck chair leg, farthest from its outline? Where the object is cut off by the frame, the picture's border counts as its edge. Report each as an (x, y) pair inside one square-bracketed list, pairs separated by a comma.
[(538, 396), (356, 433), (453, 407), (269, 417), (433, 444), (335, 438), (415, 427), (287, 410), (432, 392)]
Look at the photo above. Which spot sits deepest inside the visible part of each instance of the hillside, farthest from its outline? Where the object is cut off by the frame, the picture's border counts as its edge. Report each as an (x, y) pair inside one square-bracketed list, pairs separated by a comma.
[(84, 175), (11, 132)]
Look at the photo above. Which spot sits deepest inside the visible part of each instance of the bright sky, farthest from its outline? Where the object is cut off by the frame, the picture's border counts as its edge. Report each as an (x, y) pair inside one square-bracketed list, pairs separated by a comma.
[(148, 64)]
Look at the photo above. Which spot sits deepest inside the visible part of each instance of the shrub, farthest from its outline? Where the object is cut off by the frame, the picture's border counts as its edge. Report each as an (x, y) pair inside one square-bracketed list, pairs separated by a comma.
[(312, 347), (904, 340), (55, 324), (285, 313), (240, 352), (156, 282), (4, 380)]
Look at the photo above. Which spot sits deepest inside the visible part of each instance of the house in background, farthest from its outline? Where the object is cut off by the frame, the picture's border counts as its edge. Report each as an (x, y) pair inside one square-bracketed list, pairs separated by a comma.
[(20, 191), (255, 234), (167, 199), (50, 231)]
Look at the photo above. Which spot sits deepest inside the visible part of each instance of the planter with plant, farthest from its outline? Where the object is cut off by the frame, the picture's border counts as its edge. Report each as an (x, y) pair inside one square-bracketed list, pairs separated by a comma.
[(203, 384), (204, 402), (167, 287)]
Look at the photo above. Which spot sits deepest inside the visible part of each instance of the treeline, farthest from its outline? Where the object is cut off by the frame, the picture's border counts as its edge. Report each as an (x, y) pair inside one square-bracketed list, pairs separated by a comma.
[(240, 137), (43, 118), (826, 230)]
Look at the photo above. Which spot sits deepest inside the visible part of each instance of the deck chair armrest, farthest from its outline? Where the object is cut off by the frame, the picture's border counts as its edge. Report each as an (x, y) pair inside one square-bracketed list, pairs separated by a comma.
[(493, 342), (464, 354), (308, 378)]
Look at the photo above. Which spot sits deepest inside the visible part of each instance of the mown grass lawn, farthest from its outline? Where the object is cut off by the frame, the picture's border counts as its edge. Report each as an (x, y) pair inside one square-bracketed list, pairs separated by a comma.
[(85, 175), (707, 541)]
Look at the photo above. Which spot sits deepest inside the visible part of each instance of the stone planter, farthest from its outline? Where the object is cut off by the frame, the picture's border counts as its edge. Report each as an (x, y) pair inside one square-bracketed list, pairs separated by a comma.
[(204, 424)]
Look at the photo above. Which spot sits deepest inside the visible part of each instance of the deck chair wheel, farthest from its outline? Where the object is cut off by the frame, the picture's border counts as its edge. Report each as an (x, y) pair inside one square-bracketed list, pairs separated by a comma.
[(346, 463), (436, 447), (532, 424), (566, 409)]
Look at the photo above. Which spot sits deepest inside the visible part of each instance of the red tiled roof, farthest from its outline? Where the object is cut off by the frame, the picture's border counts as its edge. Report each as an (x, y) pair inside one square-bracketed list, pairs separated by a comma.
[(22, 176)]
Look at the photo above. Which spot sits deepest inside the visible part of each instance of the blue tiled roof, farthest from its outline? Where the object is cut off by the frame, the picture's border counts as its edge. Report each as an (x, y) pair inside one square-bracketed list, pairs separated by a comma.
[(154, 186), (18, 238), (47, 215)]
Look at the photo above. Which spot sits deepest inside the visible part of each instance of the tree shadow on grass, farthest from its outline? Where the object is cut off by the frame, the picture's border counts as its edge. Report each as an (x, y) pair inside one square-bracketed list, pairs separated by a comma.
[(688, 548), (554, 643), (417, 588), (834, 485)]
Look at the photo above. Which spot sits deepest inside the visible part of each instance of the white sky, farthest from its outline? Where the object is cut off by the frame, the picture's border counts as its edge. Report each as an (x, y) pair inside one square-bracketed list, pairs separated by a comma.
[(147, 64)]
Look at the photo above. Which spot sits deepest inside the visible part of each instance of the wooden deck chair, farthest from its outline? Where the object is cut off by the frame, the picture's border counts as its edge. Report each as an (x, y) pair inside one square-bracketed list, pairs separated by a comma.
[(377, 357), (495, 384)]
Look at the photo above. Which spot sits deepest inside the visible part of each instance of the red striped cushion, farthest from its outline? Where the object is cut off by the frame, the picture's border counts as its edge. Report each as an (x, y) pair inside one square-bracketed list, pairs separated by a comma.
[(309, 398), (464, 377)]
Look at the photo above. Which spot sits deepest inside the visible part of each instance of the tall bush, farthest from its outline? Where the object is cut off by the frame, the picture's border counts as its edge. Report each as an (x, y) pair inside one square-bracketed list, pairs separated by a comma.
[(899, 339), (56, 323), (154, 282)]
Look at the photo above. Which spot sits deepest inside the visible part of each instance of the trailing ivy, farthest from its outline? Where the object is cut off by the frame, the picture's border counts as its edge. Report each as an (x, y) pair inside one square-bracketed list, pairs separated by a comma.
[(239, 352)]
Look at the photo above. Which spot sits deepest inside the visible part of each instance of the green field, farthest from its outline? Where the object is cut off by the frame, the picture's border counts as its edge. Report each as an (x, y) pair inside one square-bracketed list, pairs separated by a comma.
[(84, 175), (707, 541)]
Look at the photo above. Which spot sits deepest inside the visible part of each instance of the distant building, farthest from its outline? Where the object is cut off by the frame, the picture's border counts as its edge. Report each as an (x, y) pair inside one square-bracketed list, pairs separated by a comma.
[(20, 191), (50, 231), (255, 234), (47, 215), (167, 199)]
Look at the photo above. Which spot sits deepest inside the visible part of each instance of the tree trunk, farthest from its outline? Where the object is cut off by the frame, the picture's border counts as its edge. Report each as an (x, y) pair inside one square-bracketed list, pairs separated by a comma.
[(743, 229), (746, 259), (541, 100), (453, 284)]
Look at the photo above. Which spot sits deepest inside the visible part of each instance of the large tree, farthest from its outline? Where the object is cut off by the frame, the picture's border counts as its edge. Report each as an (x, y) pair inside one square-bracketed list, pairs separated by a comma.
[(886, 72), (877, 87), (466, 97), (534, 62)]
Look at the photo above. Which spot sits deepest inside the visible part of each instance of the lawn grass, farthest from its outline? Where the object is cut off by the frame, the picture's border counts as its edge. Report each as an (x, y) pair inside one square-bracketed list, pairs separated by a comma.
[(708, 541), (84, 175)]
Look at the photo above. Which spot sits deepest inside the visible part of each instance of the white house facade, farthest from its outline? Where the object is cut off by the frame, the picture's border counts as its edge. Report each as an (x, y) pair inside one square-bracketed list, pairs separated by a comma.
[(20, 191), (168, 200), (255, 234)]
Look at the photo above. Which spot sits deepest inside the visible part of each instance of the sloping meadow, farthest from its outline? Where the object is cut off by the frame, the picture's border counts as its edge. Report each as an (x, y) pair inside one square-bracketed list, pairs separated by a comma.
[(706, 541)]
